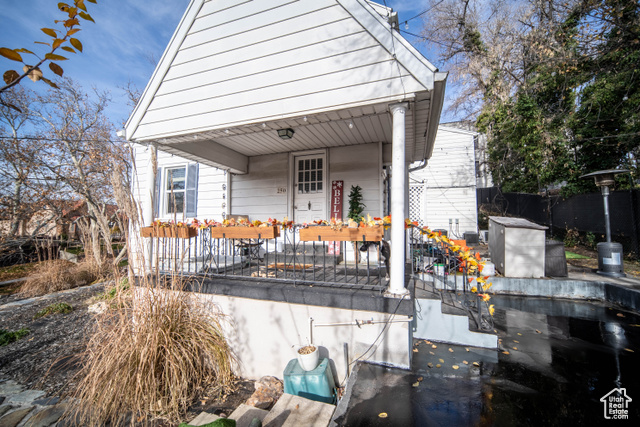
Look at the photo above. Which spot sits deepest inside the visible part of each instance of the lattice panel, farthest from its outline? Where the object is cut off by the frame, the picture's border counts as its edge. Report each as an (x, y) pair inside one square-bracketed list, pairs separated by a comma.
[(416, 205)]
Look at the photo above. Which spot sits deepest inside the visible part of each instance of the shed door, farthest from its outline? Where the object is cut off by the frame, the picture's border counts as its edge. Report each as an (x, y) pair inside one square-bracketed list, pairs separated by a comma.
[(310, 193)]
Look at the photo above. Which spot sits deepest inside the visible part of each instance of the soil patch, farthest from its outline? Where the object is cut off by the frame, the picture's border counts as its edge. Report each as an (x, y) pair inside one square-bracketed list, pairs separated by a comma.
[(47, 358)]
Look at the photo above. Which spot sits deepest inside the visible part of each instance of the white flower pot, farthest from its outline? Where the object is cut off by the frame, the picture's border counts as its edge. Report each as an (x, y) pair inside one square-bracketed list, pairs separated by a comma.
[(308, 362)]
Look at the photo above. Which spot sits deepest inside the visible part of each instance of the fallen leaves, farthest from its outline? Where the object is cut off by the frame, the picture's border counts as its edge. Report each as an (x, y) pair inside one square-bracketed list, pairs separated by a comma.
[(456, 367), (450, 350)]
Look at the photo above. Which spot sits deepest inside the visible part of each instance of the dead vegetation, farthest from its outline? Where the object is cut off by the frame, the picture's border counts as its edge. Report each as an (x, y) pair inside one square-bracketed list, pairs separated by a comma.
[(152, 358), (58, 275)]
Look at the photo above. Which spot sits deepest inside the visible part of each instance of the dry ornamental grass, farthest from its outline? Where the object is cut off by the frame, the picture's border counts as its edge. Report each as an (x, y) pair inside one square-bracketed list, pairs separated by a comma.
[(59, 275), (152, 358)]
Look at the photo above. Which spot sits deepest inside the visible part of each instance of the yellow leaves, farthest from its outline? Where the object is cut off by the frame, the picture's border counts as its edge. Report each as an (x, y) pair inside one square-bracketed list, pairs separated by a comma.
[(56, 43), (455, 367), (450, 350), (76, 43), (485, 297), (474, 289), (86, 17), (10, 54), (50, 32), (54, 57), (492, 309)]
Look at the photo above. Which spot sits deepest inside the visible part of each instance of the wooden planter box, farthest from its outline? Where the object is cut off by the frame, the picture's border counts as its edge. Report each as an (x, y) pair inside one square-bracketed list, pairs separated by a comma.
[(176, 232), (241, 232), (327, 234)]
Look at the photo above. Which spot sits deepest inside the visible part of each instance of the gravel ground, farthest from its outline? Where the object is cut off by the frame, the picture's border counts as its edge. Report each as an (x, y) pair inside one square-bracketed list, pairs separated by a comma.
[(45, 358)]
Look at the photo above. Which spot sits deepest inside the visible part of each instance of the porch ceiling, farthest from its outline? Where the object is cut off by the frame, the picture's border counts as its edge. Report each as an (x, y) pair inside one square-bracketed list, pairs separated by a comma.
[(229, 148)]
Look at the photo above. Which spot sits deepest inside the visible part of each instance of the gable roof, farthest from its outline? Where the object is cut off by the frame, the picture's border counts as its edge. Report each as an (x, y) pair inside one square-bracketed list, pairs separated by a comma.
[(238, 62)]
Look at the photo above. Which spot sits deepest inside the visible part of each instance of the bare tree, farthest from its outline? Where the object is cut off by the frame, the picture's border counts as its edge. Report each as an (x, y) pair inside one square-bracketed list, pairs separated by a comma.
[(80, 152)]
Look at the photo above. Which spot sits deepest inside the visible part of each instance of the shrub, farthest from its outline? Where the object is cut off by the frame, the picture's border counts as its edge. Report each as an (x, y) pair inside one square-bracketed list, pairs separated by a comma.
[(572, 238), (7, 337), (57, 308), (152, 357), (59, 275)]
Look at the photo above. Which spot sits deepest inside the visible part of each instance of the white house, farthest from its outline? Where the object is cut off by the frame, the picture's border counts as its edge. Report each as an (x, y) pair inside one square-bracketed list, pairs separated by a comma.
[(442, 194), (256, 107)]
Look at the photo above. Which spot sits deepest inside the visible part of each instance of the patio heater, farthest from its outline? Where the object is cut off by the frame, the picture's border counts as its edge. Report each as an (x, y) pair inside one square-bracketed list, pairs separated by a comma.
[(609, 253)]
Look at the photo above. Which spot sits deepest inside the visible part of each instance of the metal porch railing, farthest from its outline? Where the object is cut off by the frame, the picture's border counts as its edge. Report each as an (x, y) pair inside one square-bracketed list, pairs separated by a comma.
[(443, 263), (285, 258)]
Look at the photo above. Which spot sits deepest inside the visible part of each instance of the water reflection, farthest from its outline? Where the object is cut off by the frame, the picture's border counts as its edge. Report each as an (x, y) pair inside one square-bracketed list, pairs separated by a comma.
[(556, 360)]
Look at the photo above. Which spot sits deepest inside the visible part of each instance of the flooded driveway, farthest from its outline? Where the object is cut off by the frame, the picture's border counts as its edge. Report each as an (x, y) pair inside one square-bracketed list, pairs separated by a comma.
[(557, 361)]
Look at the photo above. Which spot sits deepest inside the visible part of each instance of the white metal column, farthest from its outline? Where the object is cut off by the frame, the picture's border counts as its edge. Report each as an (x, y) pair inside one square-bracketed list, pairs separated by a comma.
[(398, 196)]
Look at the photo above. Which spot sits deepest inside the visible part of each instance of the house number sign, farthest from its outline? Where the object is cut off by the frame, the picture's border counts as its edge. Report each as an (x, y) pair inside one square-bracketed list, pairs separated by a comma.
[(336, 199)]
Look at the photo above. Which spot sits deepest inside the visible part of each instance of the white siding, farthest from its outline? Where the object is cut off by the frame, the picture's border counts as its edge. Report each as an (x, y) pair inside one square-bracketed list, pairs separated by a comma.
[(241, 62), (210, 180), (256, 193), (450, 184), (357, 165)]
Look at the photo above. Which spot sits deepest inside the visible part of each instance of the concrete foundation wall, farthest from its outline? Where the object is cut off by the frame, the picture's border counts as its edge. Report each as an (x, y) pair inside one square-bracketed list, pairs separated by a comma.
[(264, 335)]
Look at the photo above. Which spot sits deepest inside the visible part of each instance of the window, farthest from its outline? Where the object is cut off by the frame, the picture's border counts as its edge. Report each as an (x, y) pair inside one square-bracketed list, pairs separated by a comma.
[(175, 187), (179, 190)]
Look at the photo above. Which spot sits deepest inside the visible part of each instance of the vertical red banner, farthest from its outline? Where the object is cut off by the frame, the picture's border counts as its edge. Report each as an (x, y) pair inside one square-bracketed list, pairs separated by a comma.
[(337, 190), (336, 199)]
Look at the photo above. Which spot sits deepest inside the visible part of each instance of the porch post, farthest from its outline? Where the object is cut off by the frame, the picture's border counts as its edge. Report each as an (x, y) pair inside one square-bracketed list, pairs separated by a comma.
[(398, 190), (149, 205)]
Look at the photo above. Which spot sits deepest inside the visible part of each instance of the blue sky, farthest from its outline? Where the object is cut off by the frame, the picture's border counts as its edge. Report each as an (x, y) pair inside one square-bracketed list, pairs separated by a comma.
[(129, 36)]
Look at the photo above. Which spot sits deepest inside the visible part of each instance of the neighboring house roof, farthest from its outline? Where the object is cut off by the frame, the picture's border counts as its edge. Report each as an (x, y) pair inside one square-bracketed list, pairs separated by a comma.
[(235, 71), (446, 128)]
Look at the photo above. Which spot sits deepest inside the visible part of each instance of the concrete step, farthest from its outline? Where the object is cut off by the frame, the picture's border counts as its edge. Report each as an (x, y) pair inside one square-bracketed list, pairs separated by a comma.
[(433, 324), (244, 414), (295, 411)]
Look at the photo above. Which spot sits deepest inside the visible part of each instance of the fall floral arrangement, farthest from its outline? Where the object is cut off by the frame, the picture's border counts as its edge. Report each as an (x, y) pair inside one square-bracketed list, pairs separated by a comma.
[(471, 261)]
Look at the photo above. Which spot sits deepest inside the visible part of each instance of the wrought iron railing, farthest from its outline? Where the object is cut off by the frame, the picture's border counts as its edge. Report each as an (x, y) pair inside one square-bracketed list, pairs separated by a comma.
[(451, 269), (283, 257)]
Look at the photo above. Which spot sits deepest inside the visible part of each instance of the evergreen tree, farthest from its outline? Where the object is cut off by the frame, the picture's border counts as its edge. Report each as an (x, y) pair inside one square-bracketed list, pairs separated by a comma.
[(356, 207)]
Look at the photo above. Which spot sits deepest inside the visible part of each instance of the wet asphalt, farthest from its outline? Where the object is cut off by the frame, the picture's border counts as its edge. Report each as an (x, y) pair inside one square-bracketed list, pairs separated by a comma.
[(557, 359)]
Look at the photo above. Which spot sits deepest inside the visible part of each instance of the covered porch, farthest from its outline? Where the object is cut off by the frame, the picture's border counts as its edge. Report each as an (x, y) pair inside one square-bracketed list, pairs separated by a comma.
[(258, 109)]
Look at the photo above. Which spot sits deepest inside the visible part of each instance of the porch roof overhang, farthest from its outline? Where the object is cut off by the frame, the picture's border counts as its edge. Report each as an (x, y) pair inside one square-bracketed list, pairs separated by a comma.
[(230, 147), (328, 69)]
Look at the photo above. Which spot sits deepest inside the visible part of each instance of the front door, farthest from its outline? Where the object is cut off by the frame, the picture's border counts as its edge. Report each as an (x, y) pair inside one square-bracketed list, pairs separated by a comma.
[(310, 193)]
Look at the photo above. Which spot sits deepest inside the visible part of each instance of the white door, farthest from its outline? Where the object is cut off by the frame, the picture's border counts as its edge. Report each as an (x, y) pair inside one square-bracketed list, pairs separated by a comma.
[(310, 192)]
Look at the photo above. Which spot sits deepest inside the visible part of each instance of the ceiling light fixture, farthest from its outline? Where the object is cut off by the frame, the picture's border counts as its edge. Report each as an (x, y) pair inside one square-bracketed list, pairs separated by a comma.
[(285, 133)]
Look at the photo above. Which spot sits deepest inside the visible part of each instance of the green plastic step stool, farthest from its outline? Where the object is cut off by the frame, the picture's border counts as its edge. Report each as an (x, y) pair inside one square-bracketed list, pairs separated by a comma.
[(314, 385)]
